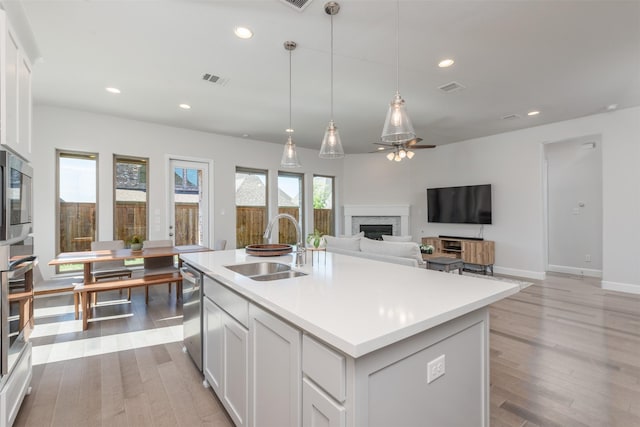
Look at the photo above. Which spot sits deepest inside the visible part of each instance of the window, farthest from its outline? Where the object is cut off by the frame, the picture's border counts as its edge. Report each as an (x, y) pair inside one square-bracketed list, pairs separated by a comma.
[(251, 206), (77, 203), (130, 198), (323, 204), (290, 197)]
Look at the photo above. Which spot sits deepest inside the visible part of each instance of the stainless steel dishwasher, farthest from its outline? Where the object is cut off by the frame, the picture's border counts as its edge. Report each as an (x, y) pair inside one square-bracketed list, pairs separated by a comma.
[(192, 312)]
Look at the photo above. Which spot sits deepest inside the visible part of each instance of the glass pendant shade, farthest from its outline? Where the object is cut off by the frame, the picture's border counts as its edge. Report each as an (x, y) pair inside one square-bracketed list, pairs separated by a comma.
[(290, 156), (331, 147), (397, 126)]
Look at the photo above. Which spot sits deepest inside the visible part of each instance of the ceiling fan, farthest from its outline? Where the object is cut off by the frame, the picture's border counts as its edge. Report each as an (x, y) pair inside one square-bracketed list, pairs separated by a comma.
[(401, 150)]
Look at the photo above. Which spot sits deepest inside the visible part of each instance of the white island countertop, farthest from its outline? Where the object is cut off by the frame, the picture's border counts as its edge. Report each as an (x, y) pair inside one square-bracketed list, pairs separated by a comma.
[(355, 304)]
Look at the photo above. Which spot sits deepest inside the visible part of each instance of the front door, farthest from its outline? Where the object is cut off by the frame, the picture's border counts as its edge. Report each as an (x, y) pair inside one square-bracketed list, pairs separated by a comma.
[(189, 202)]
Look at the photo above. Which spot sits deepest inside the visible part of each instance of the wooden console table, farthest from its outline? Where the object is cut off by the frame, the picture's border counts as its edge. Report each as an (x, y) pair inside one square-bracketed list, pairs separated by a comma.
[(474, 253)]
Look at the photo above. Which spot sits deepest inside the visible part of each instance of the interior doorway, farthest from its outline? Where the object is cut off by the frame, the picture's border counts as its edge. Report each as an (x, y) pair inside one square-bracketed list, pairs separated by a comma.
[(573, 177), (189, 202)]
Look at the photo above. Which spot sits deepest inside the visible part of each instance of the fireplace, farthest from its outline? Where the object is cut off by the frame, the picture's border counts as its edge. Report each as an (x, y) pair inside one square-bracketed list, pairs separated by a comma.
[(396, 215), (375, 231)]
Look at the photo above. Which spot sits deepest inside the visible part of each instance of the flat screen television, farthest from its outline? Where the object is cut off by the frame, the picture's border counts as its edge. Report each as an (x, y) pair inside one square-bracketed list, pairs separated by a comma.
[(470, 204)]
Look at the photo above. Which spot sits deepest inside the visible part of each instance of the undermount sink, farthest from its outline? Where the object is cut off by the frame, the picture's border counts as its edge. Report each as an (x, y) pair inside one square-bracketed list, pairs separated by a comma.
[(265, 271)]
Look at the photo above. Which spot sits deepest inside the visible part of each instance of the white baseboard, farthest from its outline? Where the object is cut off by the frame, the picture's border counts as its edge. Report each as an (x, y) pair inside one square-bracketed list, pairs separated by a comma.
[(620, 287), (575, 270), (536, 275)]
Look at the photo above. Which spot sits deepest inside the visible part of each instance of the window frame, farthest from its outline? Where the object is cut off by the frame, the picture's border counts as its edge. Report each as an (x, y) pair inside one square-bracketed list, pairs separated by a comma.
[(133, 160), (265, 172), (61, 153), (333, 201), (302, 197)]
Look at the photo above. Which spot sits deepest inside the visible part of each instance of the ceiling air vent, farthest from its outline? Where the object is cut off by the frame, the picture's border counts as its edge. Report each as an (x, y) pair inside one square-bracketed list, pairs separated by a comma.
[(510, 117), (215, 79), (298, 5), (451, 87)]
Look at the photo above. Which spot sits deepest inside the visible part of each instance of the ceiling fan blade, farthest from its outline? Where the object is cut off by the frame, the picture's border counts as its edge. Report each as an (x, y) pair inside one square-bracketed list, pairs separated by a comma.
[(382, 143), (421, 146), (384, 150), (412, 142)]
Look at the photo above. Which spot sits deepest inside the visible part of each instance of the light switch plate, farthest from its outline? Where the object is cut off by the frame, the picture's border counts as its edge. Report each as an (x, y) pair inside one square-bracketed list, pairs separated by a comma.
[(435, 369)]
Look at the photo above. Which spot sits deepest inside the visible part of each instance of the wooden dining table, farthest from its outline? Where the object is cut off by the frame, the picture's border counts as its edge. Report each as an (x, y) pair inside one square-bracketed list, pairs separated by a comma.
[(88, 258), (83, 291)]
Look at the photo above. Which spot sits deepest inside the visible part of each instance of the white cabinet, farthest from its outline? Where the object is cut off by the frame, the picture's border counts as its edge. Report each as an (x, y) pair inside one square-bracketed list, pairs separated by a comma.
[(226, 351), (15, 91), (320, 410), (274, 370), (212, 344)]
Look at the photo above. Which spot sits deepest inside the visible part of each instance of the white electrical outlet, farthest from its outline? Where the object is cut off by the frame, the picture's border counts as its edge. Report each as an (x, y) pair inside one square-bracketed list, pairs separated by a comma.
[(587, 258), (435, 369)]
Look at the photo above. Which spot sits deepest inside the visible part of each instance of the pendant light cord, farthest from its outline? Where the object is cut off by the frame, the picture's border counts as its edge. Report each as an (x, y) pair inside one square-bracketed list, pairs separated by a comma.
[(290, 129), (331, 67), (397, 46)]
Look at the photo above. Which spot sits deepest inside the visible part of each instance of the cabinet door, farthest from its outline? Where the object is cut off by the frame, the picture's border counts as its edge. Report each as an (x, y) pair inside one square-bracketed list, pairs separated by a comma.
[(24, 105), (212, 343), (318, 409), (275, 370), (11, 92), (235, 383)]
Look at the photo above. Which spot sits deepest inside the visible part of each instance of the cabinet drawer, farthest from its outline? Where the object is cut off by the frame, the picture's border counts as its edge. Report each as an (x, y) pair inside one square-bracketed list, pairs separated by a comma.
[(235, 305), (324, 366)]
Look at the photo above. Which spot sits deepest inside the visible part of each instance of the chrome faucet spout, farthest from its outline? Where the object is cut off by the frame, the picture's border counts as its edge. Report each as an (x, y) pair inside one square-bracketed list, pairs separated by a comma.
[(300, 250)]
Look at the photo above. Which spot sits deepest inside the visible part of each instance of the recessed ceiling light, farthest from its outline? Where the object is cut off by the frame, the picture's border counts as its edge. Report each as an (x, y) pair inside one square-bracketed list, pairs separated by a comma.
[(185, 106), (243, 32), (612, 107), (533, 113), (245, 135), (112, 89), (380, 148), (446, 63)]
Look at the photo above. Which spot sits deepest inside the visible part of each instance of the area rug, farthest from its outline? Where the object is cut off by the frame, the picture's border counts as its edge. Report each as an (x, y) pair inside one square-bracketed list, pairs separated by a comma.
[(523, 284)]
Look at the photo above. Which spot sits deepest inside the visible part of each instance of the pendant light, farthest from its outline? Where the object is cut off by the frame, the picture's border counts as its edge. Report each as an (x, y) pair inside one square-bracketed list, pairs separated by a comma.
[(397, 126), (331, 147), (290, 156)]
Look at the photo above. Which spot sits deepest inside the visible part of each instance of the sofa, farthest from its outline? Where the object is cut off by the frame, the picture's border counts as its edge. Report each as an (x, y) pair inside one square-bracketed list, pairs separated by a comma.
[(398, 252)]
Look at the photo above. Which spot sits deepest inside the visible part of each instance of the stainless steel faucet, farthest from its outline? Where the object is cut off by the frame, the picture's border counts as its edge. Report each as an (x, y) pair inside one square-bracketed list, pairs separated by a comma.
[(300, 249)]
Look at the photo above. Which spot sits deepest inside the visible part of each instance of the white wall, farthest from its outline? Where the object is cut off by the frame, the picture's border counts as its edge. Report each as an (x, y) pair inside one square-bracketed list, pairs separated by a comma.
[(574, 191), (59, 128), (512, 162)]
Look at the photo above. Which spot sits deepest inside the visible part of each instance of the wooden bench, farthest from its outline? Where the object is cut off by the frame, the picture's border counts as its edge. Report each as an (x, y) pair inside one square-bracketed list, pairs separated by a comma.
[(82, 292)]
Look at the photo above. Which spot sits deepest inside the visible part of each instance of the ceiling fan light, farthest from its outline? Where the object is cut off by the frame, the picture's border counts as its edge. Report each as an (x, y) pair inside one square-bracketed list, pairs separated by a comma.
[(289, 155), (397, 158), (390, 156), (331, 147), (402, 154), (410, 154), (397, 126)]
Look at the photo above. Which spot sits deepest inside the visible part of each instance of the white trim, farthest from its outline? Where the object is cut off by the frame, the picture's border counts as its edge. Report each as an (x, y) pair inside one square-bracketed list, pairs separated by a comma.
[(536, 275), (620, 287), (378, 210), (577, 271)]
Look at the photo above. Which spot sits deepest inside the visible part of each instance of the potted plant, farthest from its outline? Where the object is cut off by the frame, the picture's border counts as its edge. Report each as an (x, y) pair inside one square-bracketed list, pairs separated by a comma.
[(426, 249), (316, 239), (136, 243)]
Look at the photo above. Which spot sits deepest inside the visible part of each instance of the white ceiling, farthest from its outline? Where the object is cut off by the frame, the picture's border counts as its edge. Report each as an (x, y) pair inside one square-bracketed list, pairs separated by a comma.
[(565, 58)]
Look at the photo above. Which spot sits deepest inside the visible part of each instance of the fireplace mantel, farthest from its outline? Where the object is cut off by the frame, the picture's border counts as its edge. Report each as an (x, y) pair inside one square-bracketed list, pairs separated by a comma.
[(401, 211)]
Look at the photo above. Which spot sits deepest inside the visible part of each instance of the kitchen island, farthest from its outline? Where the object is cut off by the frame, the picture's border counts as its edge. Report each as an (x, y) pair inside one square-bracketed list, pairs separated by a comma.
[(353, 342)]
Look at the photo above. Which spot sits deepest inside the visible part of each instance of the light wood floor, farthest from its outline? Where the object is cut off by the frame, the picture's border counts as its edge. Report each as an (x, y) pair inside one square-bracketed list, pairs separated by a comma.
[(115, 374), (563, 353), (566, 353)]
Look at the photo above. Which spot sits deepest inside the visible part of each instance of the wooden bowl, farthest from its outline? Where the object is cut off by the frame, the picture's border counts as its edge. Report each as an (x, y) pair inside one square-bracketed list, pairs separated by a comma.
[(275, 249)]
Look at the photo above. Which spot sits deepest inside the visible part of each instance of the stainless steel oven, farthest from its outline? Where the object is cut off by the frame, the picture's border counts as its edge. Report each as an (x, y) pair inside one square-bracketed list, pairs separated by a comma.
[(192, 312), (16, 322), (16, 197)]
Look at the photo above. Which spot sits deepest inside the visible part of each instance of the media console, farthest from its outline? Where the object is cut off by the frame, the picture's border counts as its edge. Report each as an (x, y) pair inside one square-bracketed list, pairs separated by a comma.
[(477, 254)]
